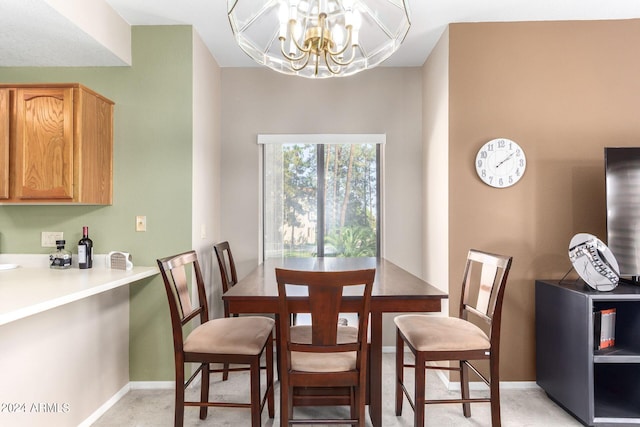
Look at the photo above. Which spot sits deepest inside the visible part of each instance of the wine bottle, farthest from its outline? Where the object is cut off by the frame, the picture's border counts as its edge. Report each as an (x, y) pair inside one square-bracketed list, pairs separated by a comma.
[(85, 250)]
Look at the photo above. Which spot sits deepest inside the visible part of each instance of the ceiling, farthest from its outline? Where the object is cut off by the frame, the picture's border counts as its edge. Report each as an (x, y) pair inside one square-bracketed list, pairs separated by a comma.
[(34, 33)]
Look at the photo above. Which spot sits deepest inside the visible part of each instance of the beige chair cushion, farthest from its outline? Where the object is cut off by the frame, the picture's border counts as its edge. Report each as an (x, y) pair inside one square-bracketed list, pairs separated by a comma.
[(434, 333), (327, 362), (232, 335)]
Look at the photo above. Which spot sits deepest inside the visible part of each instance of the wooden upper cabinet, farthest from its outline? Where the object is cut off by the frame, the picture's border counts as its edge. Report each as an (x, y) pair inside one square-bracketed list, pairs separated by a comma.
[(44, 143), (4, 144), (95, 153), (61, 139)]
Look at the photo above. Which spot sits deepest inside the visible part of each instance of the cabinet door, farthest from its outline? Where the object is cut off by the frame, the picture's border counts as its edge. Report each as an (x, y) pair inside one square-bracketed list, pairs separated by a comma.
[(94, 148), (44, 143), (5, 120)]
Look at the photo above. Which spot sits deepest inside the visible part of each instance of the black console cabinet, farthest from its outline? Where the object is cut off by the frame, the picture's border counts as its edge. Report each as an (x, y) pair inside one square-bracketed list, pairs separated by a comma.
[(599, 387)]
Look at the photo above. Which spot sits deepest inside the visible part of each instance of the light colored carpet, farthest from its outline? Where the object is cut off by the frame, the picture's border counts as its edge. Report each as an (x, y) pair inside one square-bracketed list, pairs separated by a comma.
[(520, 408)]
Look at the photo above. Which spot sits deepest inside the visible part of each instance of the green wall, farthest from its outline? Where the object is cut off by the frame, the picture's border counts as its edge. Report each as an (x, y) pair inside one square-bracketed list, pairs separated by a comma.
[(152, 177)]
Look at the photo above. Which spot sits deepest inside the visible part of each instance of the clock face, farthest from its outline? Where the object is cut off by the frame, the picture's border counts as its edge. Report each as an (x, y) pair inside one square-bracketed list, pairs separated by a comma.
[(500, 163)]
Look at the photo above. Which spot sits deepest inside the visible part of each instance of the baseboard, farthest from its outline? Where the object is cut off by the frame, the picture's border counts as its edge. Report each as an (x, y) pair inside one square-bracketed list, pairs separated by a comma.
[(152, 385), (133, 385), (480, 385), (105, 406)]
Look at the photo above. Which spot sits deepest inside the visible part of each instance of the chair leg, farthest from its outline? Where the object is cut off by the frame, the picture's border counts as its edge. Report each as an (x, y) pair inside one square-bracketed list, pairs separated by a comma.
[(357, 405), (464, 387), (204, 390), (289, 405), (255, 392), (269, 360), (495, 395), (225, 371), (225, 366), (179, 403), (286, 402), (353, 404), (361, 402), (399, 373), (419, 396)]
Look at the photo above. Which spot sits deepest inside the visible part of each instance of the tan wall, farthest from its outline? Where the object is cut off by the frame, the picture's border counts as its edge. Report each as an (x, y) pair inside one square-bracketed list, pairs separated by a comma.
[(564, 91)]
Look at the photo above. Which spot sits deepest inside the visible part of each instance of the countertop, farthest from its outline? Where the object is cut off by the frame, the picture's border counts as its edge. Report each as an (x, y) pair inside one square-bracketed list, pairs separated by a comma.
[(33, 287)]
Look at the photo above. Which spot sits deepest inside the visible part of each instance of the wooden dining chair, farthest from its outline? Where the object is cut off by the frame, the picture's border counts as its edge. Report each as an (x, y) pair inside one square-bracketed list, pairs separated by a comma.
[(322, 360), (241, 340), (227, 266), (434, 338), (228, 279)]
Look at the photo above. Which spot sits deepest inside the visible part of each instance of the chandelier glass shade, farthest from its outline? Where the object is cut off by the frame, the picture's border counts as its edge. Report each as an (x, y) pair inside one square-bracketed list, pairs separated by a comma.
[(319, 38)]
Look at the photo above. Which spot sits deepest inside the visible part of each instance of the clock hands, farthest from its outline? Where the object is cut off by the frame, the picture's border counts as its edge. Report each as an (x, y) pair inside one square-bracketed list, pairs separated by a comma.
[(500, 163), (507, 158)]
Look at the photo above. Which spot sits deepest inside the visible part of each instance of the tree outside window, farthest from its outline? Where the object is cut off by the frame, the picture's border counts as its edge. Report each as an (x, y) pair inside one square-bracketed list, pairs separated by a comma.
[(321, 200)]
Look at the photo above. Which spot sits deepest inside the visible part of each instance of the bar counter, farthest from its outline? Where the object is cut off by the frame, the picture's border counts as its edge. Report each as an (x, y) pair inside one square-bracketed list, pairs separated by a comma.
[(33, 287), (65, 340)]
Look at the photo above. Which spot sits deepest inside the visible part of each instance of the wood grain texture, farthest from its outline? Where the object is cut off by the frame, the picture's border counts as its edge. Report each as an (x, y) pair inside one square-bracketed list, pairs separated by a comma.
[(60, 146), (4, 144), (94, 148), (44, 144)]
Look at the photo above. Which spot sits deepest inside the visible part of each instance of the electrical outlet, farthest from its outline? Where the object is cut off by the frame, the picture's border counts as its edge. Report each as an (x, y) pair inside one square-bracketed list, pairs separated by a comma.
[(141, 223), (48, 238)]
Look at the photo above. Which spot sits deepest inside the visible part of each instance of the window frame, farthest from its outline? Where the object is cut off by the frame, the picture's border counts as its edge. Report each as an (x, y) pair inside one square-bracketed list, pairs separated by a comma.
[(324, 139)]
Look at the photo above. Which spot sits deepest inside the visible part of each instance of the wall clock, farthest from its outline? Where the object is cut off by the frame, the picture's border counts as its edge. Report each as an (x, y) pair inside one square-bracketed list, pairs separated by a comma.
[(500, 163)]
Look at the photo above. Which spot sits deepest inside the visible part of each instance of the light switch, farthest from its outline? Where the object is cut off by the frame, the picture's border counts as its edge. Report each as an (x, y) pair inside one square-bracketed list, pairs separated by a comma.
[(48, 238), (141, 223)]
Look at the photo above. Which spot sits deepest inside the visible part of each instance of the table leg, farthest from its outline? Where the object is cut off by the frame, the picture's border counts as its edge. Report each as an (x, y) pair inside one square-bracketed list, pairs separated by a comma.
[(375, 375)]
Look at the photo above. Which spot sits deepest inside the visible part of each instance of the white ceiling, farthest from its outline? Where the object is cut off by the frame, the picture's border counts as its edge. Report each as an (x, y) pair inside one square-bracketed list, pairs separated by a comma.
[(33, 33)]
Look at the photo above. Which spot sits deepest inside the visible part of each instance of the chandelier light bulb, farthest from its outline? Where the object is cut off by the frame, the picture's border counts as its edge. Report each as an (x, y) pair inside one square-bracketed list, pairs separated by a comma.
[(293, 9), (322, 6), (338, 36), (355, 28), (283, 17), (348, 18)]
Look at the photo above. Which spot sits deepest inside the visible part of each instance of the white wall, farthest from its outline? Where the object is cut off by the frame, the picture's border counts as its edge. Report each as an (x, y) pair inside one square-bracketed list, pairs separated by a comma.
[(206, 166), (98, 19), (75, 356), (435, 131), (383, 100)]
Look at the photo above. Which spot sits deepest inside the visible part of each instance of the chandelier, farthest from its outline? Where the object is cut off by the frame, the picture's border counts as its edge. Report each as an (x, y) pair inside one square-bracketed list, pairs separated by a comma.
[(319, 38)]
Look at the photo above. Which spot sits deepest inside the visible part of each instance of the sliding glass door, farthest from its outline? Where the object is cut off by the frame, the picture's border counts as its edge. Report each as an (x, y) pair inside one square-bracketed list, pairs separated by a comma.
[(321, 199)]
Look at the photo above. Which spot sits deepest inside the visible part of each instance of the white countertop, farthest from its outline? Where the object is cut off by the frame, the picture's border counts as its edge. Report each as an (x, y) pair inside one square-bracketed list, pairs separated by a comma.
[(33, 287)]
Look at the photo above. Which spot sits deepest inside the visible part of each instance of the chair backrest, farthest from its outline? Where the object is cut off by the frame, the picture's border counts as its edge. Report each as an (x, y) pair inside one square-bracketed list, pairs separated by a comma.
[(483, 285), (227, 266), (176, 271), (325, 295)]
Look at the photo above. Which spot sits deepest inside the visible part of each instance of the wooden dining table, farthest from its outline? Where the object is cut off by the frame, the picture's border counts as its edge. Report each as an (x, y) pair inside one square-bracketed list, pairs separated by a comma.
[(395, 290)]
